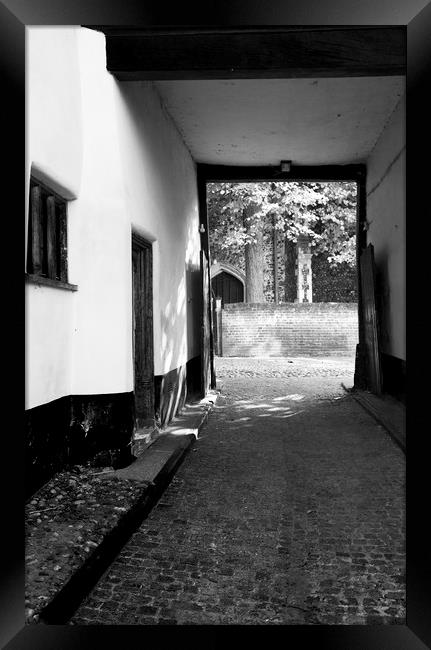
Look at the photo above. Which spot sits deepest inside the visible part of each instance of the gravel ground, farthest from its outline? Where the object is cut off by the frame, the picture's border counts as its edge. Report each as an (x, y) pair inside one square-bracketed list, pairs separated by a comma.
[(65, 521), (343, 367)]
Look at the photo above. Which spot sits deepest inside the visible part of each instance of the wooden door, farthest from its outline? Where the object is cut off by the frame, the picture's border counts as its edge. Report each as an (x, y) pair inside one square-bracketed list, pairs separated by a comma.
[(370, 321), (205, 327), (227, 287), (143, 333)]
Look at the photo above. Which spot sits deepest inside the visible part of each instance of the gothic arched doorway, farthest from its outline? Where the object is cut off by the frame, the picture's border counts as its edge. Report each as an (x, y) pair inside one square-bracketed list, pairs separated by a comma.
[(227, 284)]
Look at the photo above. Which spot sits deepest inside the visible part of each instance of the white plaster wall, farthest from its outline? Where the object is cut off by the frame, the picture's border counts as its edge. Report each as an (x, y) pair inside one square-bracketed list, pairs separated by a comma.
[(119, 153), (54, 142), (99, 243), (49, 332), (386, 209), (54, 147), (161, 194)]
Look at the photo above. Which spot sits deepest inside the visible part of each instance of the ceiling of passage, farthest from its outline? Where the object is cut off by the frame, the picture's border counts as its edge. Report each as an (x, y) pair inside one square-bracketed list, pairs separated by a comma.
[(262, 121)]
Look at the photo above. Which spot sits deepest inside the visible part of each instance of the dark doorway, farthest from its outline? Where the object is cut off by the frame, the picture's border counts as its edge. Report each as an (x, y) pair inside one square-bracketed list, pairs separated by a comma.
[(227, 287), (143, 355)]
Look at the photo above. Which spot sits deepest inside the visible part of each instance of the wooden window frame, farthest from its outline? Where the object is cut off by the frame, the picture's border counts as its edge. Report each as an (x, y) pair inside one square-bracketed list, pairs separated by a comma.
[(47, 237)]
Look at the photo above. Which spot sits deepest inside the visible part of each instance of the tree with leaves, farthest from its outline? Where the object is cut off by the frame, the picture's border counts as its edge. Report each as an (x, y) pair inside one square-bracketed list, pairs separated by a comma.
[(242, 213)]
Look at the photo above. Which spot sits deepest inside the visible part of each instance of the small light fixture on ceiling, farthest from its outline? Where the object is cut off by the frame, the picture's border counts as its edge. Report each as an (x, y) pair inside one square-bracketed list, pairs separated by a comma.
[(202, 228), (285, 165)]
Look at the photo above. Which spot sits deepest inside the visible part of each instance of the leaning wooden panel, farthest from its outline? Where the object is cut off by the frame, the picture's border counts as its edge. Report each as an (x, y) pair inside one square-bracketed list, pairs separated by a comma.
[(370, 321)]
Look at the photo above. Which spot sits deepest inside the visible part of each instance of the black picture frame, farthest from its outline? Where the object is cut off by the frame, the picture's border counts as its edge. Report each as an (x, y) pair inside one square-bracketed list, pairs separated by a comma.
[(15, 15)]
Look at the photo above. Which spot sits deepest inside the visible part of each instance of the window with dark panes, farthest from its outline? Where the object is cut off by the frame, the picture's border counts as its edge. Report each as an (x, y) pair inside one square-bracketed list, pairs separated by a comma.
[(47, 233)]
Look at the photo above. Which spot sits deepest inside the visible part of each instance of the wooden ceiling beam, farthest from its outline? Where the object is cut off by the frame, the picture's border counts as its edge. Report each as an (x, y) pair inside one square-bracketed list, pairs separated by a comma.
[(307, 173), (137, 54)]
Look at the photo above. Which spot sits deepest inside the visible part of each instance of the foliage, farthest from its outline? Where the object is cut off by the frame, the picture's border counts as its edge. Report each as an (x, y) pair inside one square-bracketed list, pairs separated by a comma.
[(333, 283), (324, 212)]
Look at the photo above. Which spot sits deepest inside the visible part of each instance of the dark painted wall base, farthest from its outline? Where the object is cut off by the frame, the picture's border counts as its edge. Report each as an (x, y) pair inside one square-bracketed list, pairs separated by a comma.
[(194, 379), (75, 429), (172, 390), (97, 428), (394, 376), (360, 379), (170, 394), (46, 442)]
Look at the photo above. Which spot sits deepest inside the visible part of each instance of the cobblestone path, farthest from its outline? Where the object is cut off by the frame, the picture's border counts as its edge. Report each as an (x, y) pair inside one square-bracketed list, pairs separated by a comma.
[(289, 509)]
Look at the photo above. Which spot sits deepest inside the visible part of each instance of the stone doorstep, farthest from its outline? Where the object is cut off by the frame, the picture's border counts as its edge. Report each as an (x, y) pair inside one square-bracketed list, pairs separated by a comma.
[(143, 439), (192, 417), (153, 468), (169, 442)]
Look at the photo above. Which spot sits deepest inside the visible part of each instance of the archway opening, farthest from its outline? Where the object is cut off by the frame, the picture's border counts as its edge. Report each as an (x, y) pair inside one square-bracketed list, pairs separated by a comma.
[(283, 269)]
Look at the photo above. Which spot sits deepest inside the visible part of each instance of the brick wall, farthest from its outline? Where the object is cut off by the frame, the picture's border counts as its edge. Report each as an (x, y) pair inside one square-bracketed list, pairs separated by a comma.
[(289, 329)]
